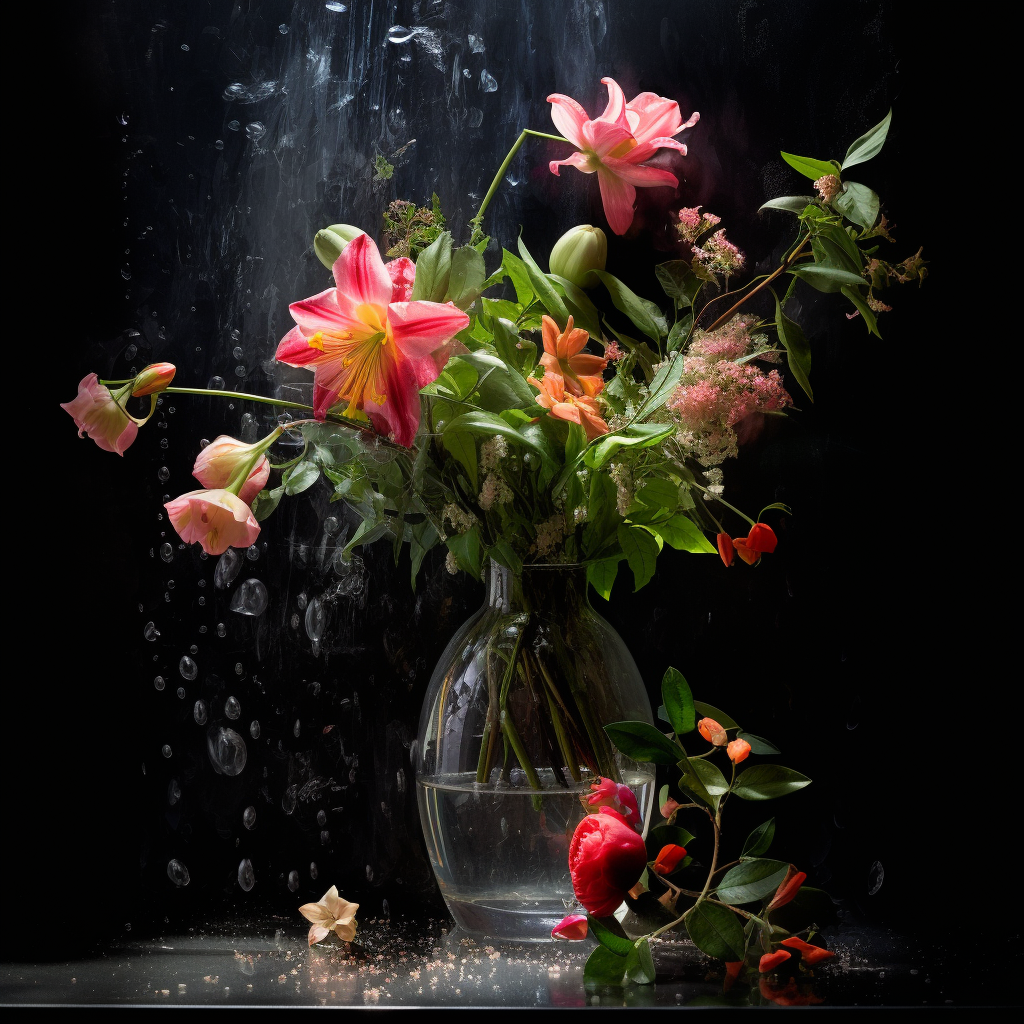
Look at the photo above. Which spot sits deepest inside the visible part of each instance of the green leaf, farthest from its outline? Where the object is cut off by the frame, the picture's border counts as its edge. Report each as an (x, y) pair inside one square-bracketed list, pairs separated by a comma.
[(758, 744), (666, 835), (544, 289), (809, 167), (514, 350), (865, 310), (480, 422), (681, 533), (520, 277), (759, 840), (798, 349), (827, 279), (716, 931), (639, 963), (711, 778), (794, 204), (265, 503), (300, 477), (641, 551), (642, 742), (869, 144), (501, 385), (602, 516), (433, 267), (659, 493), (577, 302), (604, 967), (752, 880), (858, 203), (636, 435), (456, 380), (601, 576), (707, 711), (466, 280), (768, 781), (461, 445), (423, 538), (628, 302), (466, 549), (675, 692), (834, 247), (618, 944), (678, 281), (661, 388), (501, 308), (679, 332)]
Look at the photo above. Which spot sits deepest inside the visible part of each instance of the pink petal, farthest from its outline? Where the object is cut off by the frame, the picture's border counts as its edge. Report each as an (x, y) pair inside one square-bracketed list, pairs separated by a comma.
[(317, 933), (569, 117), (360, 274), (295, 349), (573, 928), (615, 111), (636, 174), (420, 327), (400, 413), (403, 275), (321, 312), (255, 481), (602, 137), (657, 115), (647, 149), (617, 196), (577, 160)]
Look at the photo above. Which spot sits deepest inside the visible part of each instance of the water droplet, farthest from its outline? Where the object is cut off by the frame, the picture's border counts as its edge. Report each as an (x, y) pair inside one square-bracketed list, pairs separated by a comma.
[(239, 371), (330, 526), (301, 601), (222, 630), (474, 118), (149, 631), (249, 817), (237, 352), (228, 567), (476, 44), (252, 552), (159, 682), (289, 800), (386, 908), (235, 91), (315, 619), (313, 871), (188, 668), (226, 750), (250, 598), (199, 712), (181, 693), (173, 792), (254, 729), (487, 81), (325, 837), (166, 750), (321, 818), (184, 46), (130, 352), (166, 552), (283, 29), (256, 130), (875, 878), (127, 275), (334, 5), (239, 669), (246, 877), (232, 708), (293, 880), (177, 872), (369, 873), (219, 144)]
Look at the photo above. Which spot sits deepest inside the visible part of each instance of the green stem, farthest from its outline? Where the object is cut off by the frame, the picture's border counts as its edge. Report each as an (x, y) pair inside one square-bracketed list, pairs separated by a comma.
[(520, 751), (487, 741), (478, 219), (722, 501)]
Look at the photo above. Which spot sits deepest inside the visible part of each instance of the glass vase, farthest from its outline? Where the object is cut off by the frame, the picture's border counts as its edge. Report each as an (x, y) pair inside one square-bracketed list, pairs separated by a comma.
[(511, 736)]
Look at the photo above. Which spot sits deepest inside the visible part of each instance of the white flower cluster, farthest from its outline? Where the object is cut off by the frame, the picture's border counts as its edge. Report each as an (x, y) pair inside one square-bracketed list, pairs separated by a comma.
[(460, 519), (494, 490)]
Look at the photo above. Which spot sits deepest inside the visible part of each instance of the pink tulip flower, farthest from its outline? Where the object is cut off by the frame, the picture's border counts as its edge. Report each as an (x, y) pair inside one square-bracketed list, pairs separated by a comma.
[(215, 519), (368, 343), (97, 414), (223, 458), (616, 144)]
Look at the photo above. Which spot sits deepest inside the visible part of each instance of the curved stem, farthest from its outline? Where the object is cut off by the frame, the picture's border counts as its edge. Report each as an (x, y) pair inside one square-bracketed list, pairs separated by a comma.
[(732, 508)]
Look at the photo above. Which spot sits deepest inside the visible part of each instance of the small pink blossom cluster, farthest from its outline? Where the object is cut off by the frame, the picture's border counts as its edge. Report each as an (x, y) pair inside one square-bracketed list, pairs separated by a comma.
[(692, 223), (715, 393), (719, 255), (613, 352), (828, 186)]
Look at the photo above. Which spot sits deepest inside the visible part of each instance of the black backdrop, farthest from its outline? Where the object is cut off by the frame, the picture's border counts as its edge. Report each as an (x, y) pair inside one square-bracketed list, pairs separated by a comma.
[(176, 228)]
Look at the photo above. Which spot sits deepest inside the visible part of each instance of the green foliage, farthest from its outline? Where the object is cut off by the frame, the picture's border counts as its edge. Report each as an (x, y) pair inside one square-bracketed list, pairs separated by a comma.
[(408, 229), (760, 840), (753, 880), (768, 781), (716, 931), (868, 145), (809, 167), (678, 700), (604, 967), (642, 742)]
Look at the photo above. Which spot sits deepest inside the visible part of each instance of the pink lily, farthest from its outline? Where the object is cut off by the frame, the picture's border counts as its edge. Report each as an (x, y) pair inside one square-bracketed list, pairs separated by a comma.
[(97, 413), (220, 460), (617, 143), (215, 519), (368, 343)]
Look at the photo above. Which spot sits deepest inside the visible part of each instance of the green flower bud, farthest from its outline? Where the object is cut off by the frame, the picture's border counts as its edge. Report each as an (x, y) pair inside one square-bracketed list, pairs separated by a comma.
[(330, 243), (580, 250)]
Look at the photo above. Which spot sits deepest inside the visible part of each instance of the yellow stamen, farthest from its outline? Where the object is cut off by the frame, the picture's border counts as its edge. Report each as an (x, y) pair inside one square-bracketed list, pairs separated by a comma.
[(622, 149), (317, 341)]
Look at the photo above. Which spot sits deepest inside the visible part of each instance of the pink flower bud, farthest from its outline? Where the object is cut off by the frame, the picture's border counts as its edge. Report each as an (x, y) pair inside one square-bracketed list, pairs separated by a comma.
[(221, 460), (97, 414), (215, 519), (619, 798), (573, 928), (155, 377)]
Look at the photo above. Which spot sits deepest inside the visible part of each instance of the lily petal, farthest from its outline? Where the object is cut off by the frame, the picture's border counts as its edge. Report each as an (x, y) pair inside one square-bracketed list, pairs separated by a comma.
[(617, 196), (318, 932), (615, 111), (360, 274), (569, 117), (322, 312), (295, 349), (656, 115), (400, 412), (647, 149), (602, 137), (577, 160), (644, 177), (403, 275), (420, 327)]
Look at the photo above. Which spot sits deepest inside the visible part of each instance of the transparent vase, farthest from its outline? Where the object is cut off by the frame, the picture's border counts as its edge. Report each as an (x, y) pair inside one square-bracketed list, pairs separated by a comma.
[(511, 736)]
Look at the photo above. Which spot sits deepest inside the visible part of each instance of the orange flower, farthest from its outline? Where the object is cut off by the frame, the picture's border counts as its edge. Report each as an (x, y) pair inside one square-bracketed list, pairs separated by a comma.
[(789, 888), (579, 409), (732, 972), (770, 961), (712, 732), (762, 538), (668, 858), (725, 549), (809, 954), (737, 750), (789, 994), (747, 553), (562, 355)]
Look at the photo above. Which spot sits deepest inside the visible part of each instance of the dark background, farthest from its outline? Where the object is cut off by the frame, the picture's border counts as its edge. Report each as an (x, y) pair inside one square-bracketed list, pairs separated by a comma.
[(857, 647)]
